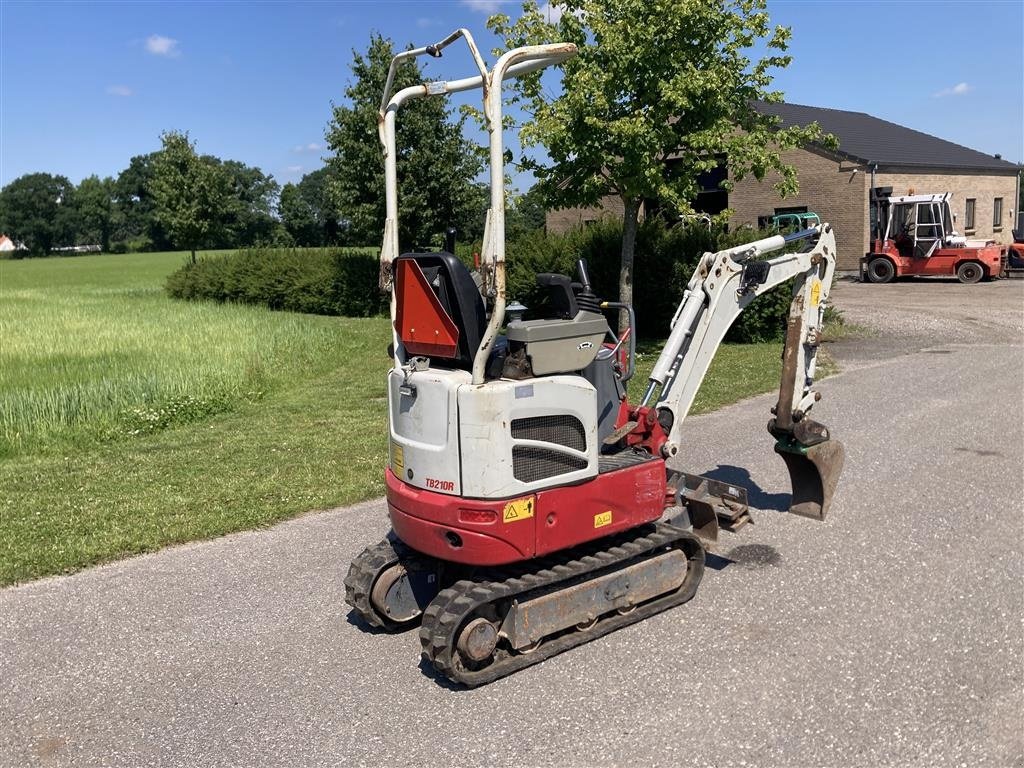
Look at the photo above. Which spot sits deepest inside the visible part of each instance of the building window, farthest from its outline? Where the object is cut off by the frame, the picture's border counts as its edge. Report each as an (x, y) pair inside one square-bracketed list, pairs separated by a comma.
[(997, 215), (969, 215)]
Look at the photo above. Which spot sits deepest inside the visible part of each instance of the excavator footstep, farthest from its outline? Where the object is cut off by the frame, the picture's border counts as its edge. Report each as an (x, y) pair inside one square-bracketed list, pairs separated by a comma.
[(814, 473)]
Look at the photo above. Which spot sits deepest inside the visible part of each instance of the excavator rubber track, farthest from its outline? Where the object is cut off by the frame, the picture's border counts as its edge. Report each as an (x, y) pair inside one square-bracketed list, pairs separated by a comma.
[(364, 572), (488, 601)]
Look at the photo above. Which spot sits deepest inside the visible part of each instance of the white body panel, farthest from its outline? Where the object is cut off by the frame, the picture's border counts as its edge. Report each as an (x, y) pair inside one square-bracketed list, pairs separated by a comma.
[(424, 428), (486, 414), (454, 437)]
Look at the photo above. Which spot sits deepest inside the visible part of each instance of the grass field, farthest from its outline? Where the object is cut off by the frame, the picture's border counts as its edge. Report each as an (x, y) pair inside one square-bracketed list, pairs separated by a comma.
[(130, 421), (93, 351)]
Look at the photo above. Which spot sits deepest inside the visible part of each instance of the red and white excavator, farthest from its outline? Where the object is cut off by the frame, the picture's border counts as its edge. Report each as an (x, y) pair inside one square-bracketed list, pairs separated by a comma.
[(531, 503)]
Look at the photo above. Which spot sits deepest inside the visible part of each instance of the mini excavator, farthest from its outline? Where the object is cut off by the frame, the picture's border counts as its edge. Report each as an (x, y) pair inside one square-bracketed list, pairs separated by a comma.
[(531, 503)]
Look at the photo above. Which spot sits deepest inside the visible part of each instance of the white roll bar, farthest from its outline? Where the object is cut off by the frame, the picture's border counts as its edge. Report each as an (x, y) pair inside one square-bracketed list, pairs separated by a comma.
[(514, 63)]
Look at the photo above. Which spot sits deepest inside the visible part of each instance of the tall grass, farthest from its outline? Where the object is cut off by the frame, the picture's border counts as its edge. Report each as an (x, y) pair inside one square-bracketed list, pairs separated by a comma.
[(92, 350)]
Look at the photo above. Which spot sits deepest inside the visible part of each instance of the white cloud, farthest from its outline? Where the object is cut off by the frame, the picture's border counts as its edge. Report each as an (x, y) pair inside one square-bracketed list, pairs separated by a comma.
[(484, 6), (423, 22), (120, 90), (957, 90), (159, 45), (294, 169), (311, 147), (552, 12)]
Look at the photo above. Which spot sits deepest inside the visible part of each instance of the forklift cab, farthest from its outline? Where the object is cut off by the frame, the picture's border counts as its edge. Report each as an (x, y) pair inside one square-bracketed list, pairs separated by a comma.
[(918, 225)]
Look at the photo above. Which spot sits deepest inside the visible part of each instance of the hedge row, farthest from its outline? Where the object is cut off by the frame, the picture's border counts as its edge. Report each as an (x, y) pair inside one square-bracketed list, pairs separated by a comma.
[(665, 258), (320, 281), (344, 282)]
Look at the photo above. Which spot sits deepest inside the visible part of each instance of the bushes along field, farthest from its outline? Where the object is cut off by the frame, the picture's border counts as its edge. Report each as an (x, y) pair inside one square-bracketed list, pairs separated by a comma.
[(344, 282), (319, 281)]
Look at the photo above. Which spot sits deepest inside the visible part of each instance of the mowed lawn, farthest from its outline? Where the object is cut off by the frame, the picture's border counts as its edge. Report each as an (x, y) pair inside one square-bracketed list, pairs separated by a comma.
[(129, 421)]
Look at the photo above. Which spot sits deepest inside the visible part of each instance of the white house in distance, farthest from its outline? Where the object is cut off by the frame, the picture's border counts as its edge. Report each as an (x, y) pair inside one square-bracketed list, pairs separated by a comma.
[(6, 244)]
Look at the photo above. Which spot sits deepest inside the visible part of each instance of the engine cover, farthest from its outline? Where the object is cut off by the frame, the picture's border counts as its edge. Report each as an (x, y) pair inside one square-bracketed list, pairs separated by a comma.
[(491, 441), (522, 436)]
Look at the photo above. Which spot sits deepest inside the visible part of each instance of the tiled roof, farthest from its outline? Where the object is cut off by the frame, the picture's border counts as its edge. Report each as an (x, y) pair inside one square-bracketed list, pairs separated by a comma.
[(872, 140)]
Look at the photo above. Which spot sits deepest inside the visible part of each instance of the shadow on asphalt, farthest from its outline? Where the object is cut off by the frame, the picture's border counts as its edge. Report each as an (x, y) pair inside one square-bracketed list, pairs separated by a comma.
[(353, 618), (716, 562), (428, 669)]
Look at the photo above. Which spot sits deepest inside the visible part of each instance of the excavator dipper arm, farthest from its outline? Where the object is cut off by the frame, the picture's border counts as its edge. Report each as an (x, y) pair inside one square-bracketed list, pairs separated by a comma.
[(721, 287)]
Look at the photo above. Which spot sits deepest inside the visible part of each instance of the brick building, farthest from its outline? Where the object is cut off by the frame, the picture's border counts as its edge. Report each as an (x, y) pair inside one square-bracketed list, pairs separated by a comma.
[(872, 154)]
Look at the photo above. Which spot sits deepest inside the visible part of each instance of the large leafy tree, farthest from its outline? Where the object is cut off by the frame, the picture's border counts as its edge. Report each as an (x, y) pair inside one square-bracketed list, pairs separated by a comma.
[(190, 193), (133, 200), (95, 211), (248, 215), (297, 217), (34, 209), (307, 212), (436, 164), (661, 92), (525, 213)]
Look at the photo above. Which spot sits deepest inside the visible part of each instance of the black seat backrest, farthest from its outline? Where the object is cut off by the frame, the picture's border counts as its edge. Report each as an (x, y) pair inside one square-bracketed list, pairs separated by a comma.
[(560, 296), (454, 287)]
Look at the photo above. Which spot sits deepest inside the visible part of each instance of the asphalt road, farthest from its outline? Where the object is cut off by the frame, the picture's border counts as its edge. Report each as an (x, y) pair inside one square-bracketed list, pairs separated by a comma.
[(891, 634)]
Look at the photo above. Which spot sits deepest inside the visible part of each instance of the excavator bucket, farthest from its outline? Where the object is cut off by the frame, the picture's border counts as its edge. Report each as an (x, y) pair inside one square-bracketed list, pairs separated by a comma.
[(813, 473)]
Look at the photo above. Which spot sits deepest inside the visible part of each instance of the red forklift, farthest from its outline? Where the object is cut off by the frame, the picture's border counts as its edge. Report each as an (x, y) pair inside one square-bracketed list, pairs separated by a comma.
[(914, 235)]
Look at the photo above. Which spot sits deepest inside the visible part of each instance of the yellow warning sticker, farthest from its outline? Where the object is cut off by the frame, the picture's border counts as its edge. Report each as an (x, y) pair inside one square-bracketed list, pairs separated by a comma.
[(397, 459), (815, 292), (518, 509), (601, 519)]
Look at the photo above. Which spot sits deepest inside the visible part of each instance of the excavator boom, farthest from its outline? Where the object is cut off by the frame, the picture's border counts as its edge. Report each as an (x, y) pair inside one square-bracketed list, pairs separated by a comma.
[(722, 286)]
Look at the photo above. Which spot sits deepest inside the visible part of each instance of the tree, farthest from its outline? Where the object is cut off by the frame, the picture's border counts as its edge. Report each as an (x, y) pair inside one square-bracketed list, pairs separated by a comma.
[(298, 218), (31, 210), (435, 163), (526, 213), (135, 206), (306, 211), (190, 193), (315, 190), (94, 207), (247, 215), (654, 81)]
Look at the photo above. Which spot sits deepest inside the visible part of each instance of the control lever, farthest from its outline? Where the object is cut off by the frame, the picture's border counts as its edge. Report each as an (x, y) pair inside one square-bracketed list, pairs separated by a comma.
[(585, 298)]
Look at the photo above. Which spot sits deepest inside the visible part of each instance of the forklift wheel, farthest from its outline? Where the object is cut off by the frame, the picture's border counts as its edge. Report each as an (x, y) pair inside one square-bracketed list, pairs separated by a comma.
[(970, 272), (881, 270)]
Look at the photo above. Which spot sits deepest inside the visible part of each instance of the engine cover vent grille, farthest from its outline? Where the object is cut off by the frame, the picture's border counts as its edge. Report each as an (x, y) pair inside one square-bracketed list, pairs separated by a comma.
[(562, 430), (530, 464)]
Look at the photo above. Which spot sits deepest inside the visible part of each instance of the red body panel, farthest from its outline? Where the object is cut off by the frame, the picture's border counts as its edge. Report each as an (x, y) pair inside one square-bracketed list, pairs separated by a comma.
[(453, 528), (943, 262)]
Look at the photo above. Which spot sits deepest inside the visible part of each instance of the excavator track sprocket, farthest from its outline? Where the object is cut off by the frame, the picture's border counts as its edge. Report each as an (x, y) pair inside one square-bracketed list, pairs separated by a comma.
[(386, 565), (465, 630)]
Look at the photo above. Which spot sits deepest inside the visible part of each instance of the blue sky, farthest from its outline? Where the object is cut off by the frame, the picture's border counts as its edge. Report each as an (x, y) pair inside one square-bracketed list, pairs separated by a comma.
[(85, 86)]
